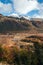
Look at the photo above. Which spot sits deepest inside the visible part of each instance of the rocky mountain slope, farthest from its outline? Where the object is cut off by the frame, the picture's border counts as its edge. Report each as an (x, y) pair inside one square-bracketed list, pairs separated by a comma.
[(11, 24)]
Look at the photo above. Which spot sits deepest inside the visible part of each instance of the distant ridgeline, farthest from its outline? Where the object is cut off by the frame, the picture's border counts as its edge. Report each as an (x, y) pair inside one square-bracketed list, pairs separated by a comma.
[(11, 24)]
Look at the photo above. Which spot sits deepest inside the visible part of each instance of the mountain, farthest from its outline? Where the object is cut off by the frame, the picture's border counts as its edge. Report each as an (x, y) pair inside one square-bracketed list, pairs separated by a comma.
[(13, 23), (37, 19)]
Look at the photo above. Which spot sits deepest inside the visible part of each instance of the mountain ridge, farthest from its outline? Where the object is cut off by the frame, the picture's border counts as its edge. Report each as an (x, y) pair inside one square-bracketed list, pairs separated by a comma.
[(9, 23)]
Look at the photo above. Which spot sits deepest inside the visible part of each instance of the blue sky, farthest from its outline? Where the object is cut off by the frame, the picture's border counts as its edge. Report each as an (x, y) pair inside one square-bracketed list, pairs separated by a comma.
[(31, 8)]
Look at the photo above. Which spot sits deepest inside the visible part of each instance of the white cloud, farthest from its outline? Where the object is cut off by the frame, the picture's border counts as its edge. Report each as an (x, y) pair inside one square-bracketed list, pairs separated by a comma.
[(40, 13), (24, 6), (40, 9), (5, 8)]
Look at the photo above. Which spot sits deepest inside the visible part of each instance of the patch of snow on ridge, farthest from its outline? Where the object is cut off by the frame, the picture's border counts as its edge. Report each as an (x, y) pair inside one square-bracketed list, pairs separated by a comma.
[(14, 15), (20, 16), (26, 17)]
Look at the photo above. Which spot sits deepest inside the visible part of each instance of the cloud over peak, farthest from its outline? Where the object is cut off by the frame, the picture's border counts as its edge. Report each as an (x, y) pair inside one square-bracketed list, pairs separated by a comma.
[(24, 6)]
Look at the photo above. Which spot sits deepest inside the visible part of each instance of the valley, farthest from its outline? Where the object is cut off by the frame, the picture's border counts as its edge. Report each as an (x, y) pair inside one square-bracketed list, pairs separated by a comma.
[(21, 41)]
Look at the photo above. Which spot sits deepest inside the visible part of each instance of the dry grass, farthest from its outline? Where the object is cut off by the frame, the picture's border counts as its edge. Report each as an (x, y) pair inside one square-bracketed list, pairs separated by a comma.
[(19, 39)]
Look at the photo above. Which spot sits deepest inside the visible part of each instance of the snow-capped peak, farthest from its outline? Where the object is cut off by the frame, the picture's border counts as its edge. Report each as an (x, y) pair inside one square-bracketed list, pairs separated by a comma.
[(26, 17), (19, 16), (14, 15)]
